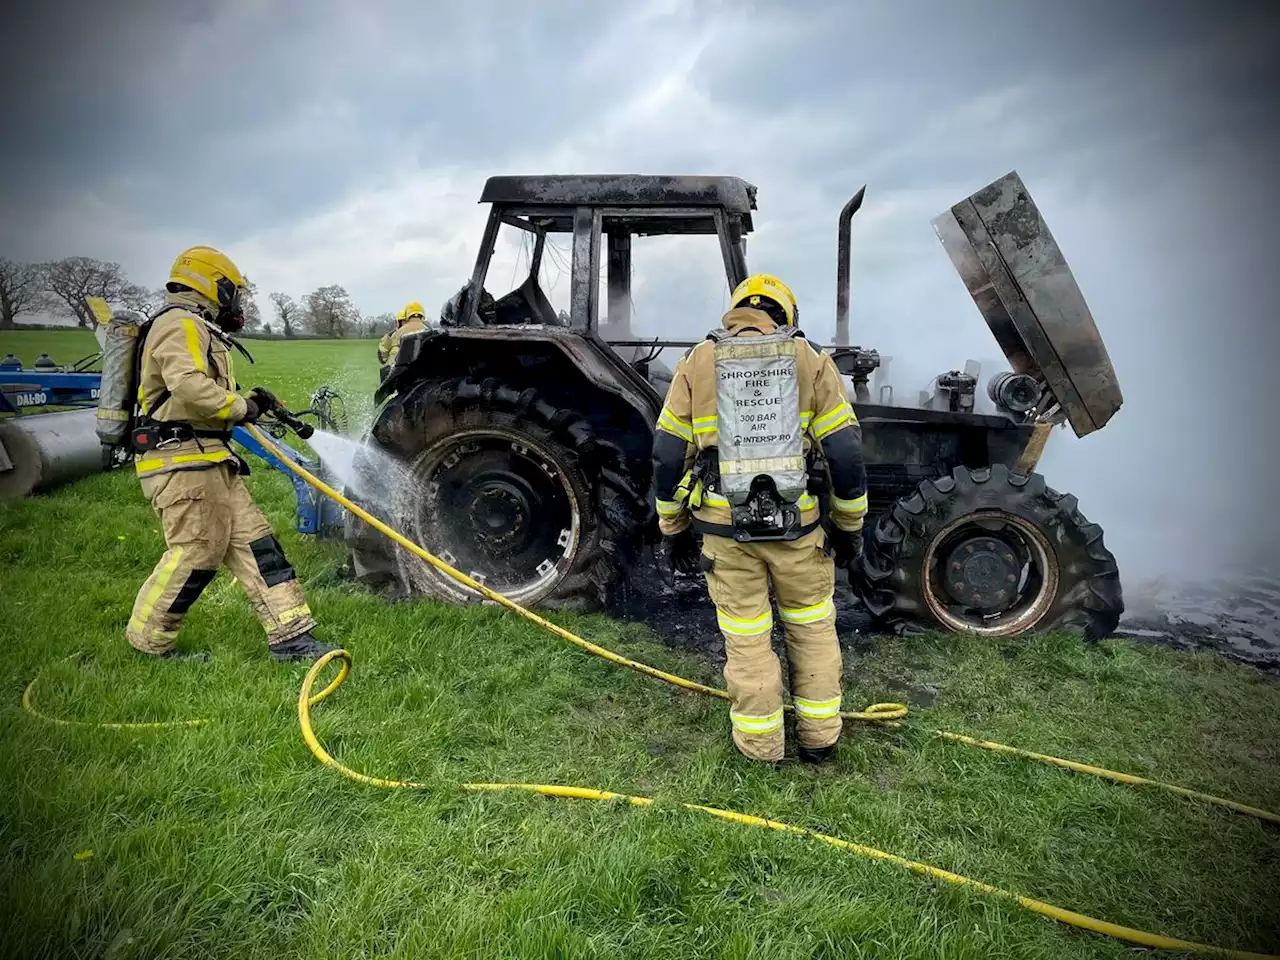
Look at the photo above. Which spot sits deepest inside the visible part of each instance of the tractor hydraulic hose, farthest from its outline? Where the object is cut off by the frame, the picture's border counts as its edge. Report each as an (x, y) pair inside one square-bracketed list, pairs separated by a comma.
[(884, 714), (306, 700)]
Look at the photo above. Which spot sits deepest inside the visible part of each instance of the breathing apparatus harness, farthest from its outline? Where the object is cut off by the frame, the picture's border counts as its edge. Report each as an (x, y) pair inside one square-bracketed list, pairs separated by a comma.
[(120, 422), (759, 465)]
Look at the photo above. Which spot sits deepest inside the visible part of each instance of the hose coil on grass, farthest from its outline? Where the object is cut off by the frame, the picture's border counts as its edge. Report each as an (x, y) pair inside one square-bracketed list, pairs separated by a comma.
[(880, 714)]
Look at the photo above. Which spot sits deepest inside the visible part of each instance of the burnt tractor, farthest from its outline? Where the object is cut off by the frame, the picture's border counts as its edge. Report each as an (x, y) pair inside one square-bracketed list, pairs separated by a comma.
[(522, 434)]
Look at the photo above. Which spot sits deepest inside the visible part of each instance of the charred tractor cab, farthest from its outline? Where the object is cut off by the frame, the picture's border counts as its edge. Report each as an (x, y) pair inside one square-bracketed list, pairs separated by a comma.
[(523, 433)]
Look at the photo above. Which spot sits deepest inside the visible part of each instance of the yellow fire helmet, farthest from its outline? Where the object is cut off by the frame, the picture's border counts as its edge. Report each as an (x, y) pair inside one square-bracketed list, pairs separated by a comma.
[(412, 309), (751, 291), (210, 273)]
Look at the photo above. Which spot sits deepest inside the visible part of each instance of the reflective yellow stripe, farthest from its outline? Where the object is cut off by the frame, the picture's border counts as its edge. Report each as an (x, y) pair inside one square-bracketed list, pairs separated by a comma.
[(749, 724), (833, 420), (806, 416), (225, 410), (745, 628), (293, 613), (155, 463), (193, 345), (149, 602), (669, 422), (811, 614), (105, 414), (807, 501), (703, 425), (857, 505), (817, 709), (669, 508)]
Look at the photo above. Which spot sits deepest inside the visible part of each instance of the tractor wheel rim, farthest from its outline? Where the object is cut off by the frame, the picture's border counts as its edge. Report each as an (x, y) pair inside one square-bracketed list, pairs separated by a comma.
[(498, 506), (990, 572)]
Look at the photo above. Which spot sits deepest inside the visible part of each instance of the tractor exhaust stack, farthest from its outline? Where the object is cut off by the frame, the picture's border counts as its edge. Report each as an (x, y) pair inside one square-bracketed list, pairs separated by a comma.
[(842, 267)]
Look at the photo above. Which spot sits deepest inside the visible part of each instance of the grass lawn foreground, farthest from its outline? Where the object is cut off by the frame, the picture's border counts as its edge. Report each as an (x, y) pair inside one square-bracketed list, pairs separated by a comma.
[(231, 840)]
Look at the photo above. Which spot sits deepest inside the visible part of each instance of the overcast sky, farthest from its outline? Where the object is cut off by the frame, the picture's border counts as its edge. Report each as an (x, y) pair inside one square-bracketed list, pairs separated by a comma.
[(333, 142)]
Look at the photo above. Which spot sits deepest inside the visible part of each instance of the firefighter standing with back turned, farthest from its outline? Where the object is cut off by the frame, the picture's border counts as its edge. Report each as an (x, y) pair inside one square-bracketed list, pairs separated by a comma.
[(412, 319), (746, 413), (191, 475)]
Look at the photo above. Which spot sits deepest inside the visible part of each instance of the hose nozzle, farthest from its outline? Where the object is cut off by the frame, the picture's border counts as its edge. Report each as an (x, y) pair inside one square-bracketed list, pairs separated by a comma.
[(303, 429)]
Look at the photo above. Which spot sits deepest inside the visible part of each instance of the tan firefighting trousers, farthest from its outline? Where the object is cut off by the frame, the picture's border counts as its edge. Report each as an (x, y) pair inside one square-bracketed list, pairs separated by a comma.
[(803, 578), (209, 520)]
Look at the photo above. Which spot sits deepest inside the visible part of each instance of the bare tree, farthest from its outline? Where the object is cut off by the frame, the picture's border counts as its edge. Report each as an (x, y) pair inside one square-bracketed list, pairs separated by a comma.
[(329, 311), (67, 282), (143, 300), (289, 312), (249, 305), (382, 323), (21, 285)]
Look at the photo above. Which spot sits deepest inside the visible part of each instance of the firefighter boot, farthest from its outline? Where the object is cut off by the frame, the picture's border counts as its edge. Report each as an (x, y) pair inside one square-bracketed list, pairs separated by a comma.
[(815, 755), (302, 647)]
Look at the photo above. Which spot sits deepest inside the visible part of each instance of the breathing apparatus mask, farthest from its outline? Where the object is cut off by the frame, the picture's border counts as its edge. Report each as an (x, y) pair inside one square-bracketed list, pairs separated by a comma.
[(230, 315)]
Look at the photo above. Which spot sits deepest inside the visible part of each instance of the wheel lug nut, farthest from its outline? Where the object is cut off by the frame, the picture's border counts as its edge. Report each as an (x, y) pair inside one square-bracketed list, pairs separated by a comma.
[(1010, 579)]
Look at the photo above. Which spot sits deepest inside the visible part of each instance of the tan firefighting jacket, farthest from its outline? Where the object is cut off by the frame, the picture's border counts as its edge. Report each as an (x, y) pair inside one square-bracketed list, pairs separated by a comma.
[(389, 346), (187, 376), (689, 413)]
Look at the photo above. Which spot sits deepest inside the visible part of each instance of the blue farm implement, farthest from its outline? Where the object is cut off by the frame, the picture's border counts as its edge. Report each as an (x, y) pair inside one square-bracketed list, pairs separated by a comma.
[(39, 452)]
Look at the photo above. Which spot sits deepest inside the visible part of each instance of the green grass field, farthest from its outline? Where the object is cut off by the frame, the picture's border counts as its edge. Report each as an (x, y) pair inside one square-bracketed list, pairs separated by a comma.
[(230, 840)]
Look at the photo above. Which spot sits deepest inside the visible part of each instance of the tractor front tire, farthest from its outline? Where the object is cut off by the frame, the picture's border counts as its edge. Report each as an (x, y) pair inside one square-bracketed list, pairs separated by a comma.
[(990, 552), (513, 491)]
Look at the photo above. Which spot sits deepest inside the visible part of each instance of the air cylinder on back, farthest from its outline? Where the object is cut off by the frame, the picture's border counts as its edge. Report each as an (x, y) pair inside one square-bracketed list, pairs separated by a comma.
[(39, 452)]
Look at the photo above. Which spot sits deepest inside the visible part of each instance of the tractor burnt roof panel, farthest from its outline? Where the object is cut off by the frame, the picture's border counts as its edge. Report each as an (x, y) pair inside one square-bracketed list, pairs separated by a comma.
[(732, 194)]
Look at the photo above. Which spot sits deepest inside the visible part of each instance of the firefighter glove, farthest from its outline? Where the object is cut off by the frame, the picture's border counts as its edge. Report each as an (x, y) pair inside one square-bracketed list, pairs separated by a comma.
[(251, 411), (678, 553), (264, 399), (848, 547)]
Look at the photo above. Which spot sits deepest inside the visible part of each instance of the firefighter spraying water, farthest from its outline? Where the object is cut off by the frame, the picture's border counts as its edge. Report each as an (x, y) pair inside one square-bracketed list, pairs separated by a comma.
[(169, 398)]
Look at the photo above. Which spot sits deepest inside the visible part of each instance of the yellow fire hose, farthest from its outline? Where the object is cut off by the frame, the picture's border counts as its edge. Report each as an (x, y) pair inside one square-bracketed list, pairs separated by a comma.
[(306, 701), (883, 714)]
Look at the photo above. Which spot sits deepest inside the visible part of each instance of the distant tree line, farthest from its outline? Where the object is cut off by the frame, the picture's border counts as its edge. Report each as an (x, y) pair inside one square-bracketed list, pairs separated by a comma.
[(60, 287)]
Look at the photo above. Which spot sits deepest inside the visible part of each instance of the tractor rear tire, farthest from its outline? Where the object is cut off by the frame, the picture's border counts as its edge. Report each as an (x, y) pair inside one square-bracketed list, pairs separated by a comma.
[(990, 552), (517, 493)]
